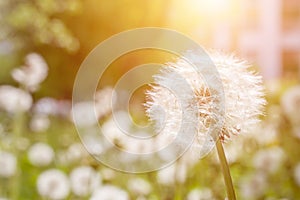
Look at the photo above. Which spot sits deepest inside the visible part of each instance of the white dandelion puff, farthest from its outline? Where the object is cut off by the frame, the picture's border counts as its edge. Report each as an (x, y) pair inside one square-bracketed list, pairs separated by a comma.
[(269, 160), (84, 180), (139, 186), (40, 154), (254, 186), (8, 163), (108, 192), (33, 73), (14, 100), (53, 184), (290, 103), (39, 123), (243, 92), (200, 194), (104, 101), (84, 114), (297, 174)]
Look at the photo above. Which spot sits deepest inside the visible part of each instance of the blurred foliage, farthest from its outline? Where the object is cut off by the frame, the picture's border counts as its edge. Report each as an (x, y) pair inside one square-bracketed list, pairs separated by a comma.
[(57, 29)]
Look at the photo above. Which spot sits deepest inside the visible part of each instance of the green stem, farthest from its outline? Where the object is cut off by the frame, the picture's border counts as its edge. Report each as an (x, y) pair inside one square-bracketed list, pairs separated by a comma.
[(17, 130), (225, 170)]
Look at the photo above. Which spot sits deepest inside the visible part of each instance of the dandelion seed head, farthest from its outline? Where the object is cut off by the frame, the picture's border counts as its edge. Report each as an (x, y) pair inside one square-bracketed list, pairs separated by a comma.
[(84, 180), (33, 73), (297, 174), (139, 186), (269, 160), (8, 163), (290, 103), (107, 192), (40, 154), (243, 97), (14, 100), (53, 184)]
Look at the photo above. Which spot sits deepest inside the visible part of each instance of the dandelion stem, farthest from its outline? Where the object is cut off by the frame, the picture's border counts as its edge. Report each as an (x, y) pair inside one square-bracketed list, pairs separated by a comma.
[(17, 129), (225, 170)]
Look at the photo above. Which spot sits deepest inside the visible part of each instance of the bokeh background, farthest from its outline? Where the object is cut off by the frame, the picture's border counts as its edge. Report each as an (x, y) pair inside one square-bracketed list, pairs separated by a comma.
[(264, 164)]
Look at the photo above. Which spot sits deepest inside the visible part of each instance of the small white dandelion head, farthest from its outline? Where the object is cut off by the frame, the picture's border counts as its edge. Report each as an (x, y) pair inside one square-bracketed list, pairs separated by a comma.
[(84, 180), (297, 174), (33, 73), (53, 184), (290, 103), (176, 172), (108, 192), (104, 101), (253, 187), (40, 154), (139, 186), (39, 123), (108, 174), (269, 160), (242, 94), (84, 114), (8, 163), (14, 100), (200, 194)]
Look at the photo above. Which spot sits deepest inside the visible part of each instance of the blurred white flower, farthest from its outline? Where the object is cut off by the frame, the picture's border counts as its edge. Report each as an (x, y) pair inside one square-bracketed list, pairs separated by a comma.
[(84, 180), (104, 101), (269, 159), (14, 100), (139, 186), (40, 154), (8, 163), (233, 151), (176, 172), (254, 186), (200, 194), (266, 133), (242, 89), (33, 73), (297, 174), (53, 184), (45, 106), (84, 114), (93, 144), (290, 103), (108, 174), (109, 192), (39, 123), (49, 106), (75, 152)]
